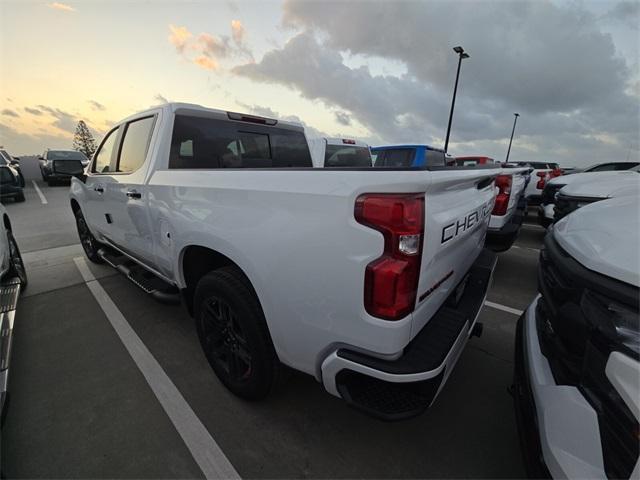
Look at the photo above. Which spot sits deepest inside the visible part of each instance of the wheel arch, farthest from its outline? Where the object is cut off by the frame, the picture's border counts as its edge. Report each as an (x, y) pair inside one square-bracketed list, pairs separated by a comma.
[(6, 222), (195, 261)]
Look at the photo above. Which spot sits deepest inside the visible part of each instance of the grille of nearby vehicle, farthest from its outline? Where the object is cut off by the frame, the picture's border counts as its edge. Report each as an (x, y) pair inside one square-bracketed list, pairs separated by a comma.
[(579, 326), (549, 193), (68, 167), (564, 205)]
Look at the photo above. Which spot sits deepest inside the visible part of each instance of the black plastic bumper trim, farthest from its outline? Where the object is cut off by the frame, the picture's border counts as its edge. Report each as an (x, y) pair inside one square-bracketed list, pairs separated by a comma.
[(525, 409)]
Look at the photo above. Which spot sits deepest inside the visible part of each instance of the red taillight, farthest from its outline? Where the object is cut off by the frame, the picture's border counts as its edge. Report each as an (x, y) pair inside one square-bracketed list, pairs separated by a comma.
[(556, 172), (503, 185), (391, 281), (348, 141), (541, 182)]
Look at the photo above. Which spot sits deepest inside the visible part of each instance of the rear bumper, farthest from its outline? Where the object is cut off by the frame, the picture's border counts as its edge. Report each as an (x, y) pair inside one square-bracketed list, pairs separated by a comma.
[(545, 214), (405, 387), (8, 191), (534, 198), (558, 428), (501, 239)]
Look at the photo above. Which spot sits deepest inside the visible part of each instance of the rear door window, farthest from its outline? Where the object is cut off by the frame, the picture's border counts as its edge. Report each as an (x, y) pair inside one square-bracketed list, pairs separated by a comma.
[(200, 142)]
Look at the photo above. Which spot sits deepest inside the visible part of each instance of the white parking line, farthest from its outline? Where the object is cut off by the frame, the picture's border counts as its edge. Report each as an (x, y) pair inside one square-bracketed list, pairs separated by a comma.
[(504, 308), (40, 194), (204, 449)]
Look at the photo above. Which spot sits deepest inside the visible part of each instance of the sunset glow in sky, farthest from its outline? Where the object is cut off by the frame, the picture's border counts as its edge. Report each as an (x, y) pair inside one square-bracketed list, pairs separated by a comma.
[(381, 71)]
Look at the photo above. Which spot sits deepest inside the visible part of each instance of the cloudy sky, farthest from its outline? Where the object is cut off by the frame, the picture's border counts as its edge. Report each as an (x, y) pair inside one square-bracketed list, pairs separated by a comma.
[(381, 71)]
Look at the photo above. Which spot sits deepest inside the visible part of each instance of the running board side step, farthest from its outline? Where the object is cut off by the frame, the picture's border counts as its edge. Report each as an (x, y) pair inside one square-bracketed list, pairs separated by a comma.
[(141, 277)]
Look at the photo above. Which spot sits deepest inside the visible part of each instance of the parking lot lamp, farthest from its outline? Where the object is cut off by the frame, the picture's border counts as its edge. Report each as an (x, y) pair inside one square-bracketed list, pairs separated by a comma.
[(512, 131), (461, 54)]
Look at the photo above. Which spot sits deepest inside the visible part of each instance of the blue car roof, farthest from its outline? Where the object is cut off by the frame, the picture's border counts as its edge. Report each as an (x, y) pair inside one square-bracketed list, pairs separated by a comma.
[(389, 147)]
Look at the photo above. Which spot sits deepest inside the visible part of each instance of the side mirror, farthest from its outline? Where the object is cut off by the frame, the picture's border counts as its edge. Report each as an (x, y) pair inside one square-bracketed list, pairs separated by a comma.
[(40, 157), (15, 162), (16, 158)]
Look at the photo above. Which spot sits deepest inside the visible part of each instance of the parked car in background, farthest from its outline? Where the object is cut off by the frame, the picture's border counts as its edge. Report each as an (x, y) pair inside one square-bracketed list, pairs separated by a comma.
[(11, 183), (61, 165), (509, 208), (607, 167), (541, 174), (408, 156), (14, 162), (13, 279), (339, 152), (577, 361), (227, 209), (546, 210), (595, 187), (473, 161)]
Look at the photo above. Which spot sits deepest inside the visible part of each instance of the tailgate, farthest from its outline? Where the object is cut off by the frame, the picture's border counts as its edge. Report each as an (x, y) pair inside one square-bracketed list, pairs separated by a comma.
[(458, 207)]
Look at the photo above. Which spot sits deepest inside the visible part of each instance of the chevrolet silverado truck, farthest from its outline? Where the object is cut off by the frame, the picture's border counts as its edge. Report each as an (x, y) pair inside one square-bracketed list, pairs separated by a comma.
[(61, 165), (610, 179), (509, 209), (369, 279), (577, 362), (541, 174), (590, 188)]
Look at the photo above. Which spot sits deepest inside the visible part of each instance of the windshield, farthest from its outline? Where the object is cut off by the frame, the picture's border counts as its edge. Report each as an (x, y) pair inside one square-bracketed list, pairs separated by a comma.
[(65, 155), (347, 156)]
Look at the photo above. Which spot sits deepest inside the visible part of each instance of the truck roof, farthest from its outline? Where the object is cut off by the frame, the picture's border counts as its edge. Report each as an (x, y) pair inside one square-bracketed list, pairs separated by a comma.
[(407, 145), (195, 109)]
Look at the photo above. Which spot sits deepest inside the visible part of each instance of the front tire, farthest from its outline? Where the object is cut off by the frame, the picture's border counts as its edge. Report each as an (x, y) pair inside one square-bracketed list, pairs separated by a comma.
[(89, 243), (234, 334), (17, 265)]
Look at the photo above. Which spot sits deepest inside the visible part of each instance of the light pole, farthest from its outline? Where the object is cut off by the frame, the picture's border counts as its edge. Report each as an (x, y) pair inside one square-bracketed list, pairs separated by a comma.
[(461, 54), (512, 131)]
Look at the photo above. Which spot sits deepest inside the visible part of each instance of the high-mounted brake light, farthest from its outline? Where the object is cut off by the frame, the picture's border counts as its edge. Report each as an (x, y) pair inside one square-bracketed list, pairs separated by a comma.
[(541, 182), (251, 118), (503, 192), (391, 281), (348, 141)]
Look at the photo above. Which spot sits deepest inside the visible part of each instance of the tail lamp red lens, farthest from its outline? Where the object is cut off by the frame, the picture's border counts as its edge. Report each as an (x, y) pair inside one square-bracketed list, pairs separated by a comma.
[(391, 281), (503, 192), (556, 172), (541, 182)]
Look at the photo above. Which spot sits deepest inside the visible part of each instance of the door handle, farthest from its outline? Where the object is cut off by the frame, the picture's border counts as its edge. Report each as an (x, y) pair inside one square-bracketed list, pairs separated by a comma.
[(98, 188), (134, 194)]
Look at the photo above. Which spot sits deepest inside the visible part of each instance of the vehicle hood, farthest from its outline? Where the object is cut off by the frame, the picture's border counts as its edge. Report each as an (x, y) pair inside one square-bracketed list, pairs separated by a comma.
[(602, 185), (568, 179), (603, 236)]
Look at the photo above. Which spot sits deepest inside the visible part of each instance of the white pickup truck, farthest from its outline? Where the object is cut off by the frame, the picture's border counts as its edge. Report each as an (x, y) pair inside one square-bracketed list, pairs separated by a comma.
[(371, 280), (509, 209)]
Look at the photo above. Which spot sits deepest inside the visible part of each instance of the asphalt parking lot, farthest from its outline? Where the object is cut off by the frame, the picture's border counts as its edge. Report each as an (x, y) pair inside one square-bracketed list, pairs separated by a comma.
[(81, 408)]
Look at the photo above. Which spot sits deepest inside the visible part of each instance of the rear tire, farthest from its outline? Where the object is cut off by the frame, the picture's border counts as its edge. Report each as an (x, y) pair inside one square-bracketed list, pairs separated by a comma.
[(234, 334), (17, 265), (89, 243), (50, 181)]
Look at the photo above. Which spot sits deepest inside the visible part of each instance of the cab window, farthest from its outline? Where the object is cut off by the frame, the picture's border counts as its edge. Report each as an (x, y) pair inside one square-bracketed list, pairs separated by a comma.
[(102, 158)]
